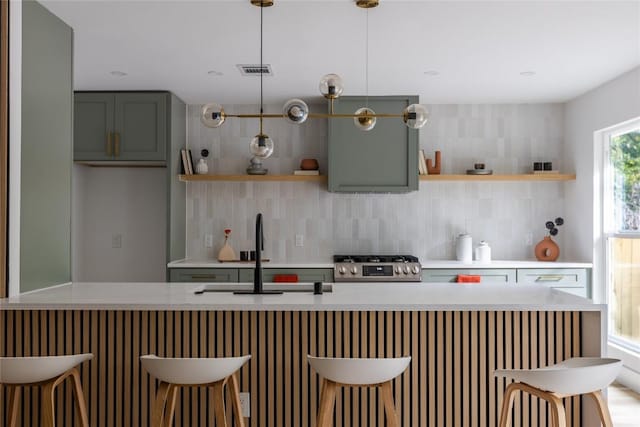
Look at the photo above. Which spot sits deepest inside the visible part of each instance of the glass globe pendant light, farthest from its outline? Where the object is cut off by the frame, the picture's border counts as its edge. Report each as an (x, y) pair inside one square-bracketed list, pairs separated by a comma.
[(415, 116), (365, 118), (295, 111), (213, 115)]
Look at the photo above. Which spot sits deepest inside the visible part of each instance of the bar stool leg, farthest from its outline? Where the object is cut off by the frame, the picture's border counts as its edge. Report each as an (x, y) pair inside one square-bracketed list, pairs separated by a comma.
[(14, 404), (603, 409), (557, 408), (170, 406), (327, 400), (81, 406), (157, 414), (507, 404), (389, 406), (48, 404), (218, 404), (235, 399)]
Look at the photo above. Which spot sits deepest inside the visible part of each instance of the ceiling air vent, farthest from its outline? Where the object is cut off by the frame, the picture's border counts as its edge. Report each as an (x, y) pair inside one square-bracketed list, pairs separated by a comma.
[(255, 69)]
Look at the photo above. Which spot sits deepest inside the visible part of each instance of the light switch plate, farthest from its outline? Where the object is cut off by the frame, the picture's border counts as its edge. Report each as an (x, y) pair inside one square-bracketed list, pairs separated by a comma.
[(299, 240), (116, 241), (208, 240)]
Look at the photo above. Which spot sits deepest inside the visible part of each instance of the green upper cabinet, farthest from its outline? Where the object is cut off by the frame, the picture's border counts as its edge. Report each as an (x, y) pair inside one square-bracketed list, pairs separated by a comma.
[(122, 126), (384, 159)]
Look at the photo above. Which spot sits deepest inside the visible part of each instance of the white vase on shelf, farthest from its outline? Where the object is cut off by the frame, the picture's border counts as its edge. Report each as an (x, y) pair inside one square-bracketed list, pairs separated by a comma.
[(202, 168)]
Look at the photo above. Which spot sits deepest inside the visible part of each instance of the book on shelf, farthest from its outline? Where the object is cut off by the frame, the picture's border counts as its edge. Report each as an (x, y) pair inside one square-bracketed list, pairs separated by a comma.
[(422, 162), (306, 172), (190, 161), (185, 163), (545, 172)]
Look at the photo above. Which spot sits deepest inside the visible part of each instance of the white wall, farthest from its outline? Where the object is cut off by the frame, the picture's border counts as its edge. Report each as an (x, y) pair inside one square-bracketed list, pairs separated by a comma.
[(612, 103), (509, 215), (131, 202)]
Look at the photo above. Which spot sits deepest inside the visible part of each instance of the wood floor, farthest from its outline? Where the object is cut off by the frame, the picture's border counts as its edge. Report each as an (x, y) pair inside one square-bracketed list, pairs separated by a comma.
[(624, 405)]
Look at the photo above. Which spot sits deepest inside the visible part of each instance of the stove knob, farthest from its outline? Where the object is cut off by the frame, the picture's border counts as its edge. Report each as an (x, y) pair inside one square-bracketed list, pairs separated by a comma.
[(415, 269), (342, 270), (398, 270), (406, 269), (354, 270)]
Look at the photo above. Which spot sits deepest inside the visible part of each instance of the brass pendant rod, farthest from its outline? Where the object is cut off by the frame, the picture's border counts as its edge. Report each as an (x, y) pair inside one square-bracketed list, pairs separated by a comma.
[(261, 74), (313, 116)]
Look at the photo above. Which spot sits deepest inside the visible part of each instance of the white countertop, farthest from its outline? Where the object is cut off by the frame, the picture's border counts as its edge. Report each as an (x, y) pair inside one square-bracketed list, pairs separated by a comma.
[(187, 263), (345, 297), (426, 264)]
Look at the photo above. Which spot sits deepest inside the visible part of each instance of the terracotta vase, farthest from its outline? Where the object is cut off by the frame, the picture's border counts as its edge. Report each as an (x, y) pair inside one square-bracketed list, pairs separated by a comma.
[(547, 250), (309, 164)]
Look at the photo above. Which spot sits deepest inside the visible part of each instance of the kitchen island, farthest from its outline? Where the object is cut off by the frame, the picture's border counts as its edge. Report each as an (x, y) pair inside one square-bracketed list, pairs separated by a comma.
[(457, 335)]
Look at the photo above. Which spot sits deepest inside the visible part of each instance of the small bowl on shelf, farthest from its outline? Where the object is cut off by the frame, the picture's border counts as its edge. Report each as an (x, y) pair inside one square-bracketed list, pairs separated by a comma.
[(309, 165)]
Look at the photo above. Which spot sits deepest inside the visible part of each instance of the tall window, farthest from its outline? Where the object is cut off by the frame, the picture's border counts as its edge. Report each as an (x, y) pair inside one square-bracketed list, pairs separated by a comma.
[(621, 214)]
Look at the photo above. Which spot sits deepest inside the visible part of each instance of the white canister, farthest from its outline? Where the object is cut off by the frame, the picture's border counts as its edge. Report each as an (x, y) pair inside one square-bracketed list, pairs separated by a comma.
[(483, 252), (464, 250)]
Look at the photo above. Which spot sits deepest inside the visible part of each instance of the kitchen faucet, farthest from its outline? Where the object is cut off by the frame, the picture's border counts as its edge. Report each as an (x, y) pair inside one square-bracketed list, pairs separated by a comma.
[(257, 272)]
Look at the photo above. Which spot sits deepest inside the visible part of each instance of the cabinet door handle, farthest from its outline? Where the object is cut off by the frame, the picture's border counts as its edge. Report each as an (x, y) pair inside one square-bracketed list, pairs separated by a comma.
[(203, 276), (117, 145), (109, 144), (549, 278)]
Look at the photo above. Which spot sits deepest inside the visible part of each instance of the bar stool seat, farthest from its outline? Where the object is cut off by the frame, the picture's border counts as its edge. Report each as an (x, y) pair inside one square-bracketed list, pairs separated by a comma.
[(367, 372), (47, 372), (194, 372), (572, 377)]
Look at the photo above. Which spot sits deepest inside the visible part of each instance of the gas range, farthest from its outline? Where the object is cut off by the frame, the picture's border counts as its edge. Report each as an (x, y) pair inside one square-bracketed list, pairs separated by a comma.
[(376, 268)]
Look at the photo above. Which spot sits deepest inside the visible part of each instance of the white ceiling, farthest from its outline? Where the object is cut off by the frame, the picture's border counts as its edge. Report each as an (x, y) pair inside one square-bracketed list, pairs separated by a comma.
[(479, 48)]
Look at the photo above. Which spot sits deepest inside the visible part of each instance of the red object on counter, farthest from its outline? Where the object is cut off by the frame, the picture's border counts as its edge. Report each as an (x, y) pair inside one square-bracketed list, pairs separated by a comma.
[(465, 278), (285, 278)]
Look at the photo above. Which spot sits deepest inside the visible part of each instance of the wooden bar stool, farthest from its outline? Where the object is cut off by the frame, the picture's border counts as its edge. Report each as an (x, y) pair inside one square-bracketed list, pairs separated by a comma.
[(47, 372), (357, 372), (572, 377), (194, 372)]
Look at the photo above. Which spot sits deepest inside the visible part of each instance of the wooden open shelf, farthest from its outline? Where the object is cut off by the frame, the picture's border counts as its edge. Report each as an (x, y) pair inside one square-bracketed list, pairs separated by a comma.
[(297, 178), (323, 178), (520, 177)]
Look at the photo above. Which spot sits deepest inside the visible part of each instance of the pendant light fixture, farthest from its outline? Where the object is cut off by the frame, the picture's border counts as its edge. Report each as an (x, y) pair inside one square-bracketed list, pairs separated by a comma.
[(296, 110), (261, 145), (365, 117)]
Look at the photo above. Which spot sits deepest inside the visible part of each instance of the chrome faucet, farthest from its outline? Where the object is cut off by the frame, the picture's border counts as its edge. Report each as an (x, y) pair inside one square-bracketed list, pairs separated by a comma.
[(257, 272)]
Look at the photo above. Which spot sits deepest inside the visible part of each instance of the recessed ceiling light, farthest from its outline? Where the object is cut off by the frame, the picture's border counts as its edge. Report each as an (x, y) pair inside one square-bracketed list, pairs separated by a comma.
[(527, 73), (118, 73), (214, 73), (431, 73)]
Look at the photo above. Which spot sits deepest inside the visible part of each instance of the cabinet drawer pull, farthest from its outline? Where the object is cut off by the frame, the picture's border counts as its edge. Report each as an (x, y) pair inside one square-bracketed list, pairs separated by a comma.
[(109, 151), (117, 145), (549, 278), (203, 276)]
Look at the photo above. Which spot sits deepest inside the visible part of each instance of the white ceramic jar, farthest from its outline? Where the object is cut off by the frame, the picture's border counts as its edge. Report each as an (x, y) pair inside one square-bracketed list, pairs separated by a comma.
[(202, 168), (464, 251), (483, 252)]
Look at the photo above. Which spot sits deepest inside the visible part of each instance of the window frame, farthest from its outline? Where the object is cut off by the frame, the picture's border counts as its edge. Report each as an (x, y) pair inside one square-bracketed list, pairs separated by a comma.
[(608, 230)]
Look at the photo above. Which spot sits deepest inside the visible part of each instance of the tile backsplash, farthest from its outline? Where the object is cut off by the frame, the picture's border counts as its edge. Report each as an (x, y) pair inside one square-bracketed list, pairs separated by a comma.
[(509, 215)]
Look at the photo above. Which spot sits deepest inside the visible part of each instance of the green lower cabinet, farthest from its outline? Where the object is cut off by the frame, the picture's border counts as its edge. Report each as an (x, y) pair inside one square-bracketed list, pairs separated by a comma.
[(304, 275), (486, 275), (572, 280), (203, 275)]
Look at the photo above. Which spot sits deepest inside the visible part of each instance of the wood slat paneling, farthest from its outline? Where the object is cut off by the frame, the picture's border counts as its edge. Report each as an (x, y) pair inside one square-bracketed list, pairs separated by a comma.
[(449, 382)]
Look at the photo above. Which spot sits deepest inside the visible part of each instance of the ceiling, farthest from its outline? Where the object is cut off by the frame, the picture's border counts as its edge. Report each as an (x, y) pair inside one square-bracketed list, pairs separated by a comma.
[(477, 49)]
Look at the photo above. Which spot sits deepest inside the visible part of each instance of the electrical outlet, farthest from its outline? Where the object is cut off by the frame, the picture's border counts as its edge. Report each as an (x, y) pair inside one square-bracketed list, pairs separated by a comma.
[(245, 404), (208, 240), (528, 239), (299, 240), (116, 240)]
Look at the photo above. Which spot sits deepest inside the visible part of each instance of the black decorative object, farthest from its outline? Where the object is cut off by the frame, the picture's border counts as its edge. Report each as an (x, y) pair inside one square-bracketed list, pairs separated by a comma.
[(204, 152)]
